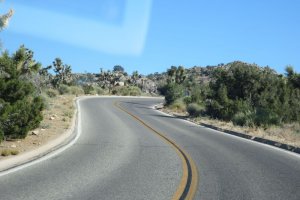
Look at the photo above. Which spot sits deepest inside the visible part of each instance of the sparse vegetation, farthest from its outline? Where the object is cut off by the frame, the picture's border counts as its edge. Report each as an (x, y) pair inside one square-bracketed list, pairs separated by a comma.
[(195, 109), (240, 94), (64, 89), (127, 91), (5, 153), (14, 152), (51, 92), (76, 90), (8, 152), (178, 106)]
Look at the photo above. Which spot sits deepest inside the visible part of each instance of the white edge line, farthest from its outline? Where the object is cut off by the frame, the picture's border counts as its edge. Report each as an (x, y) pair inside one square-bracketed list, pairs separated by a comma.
[(53, 153), (229, 135)]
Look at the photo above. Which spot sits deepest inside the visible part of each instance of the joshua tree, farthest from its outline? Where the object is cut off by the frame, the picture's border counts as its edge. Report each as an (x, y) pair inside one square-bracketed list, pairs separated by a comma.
[(63, 73), (4, 19)]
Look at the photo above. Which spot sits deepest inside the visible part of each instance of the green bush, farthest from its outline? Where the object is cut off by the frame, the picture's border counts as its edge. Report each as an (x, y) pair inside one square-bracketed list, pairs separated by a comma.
[(265, 117), (76, 90), (20, 105), (251, 95), (134, 91), (18, 118), (64, 89), (162, 89), (173, 92), (51, 92), (99, 90), (8, 152), (198, 93), (14, 152), (22, 116), (244, 119), (88, 89), (93, 92), (5, 153), (195, 109), (187, 100), (178, 105), (127, 91), (46, 100)]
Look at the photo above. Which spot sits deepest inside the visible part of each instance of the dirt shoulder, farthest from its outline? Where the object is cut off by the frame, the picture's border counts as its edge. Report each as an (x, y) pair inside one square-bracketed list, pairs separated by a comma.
[(287, 134), (57, 115)]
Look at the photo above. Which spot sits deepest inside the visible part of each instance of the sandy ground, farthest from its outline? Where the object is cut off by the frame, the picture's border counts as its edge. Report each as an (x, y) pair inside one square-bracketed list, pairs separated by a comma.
[(57, 118)]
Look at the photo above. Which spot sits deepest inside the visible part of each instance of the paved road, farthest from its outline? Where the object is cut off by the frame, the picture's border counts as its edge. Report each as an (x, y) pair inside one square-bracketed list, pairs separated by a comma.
[(117, 157)]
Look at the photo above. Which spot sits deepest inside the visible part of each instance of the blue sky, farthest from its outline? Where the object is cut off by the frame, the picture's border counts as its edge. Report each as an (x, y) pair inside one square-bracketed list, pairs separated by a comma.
[(151, 35)]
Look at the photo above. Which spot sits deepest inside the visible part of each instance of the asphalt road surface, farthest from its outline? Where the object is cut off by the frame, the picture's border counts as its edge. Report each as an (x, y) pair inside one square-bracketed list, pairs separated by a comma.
[(118, 157)]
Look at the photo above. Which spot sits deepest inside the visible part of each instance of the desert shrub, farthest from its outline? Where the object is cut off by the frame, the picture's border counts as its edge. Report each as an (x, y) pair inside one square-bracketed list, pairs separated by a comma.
[(119, 91), (44, 126), (178, 106), (244, 119), (5, 153), (93, 92), (98, 90), (134, 91), (195, 109), (8, 152), (46, 100), (173, 91), (14, 152), (76, 90), (162, 89), (241, 88), (127, 91), (63, 89), (265, 117), (199, 93), (187, 100), (88, 89), (51, 92), (24, 115)]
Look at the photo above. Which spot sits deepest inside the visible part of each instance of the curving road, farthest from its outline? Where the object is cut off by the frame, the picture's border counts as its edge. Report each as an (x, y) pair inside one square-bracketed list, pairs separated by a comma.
[(118, 157)]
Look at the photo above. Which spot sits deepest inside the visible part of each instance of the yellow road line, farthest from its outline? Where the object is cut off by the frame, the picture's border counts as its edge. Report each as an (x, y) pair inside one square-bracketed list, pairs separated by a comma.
[(189, 180)]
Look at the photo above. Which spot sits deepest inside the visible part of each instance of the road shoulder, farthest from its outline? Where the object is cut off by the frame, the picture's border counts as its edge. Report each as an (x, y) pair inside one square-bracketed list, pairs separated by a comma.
[(266, 141)]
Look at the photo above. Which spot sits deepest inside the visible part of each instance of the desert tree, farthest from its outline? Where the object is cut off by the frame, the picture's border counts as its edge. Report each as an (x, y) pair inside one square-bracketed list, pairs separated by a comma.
[(63, 73), (20, 103)]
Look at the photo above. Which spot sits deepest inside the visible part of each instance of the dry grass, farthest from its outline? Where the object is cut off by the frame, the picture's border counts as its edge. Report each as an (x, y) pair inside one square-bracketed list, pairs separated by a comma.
[(178, 106), (5, 152), (57, 118), (8, 152), (287, 133)]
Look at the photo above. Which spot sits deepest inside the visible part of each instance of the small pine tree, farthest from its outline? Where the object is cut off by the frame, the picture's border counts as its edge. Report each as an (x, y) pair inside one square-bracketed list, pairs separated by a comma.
[(20, 103)]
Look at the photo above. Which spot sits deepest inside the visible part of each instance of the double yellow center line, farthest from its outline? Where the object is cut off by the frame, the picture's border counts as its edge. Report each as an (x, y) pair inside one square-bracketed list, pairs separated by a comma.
[(189, 180)]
